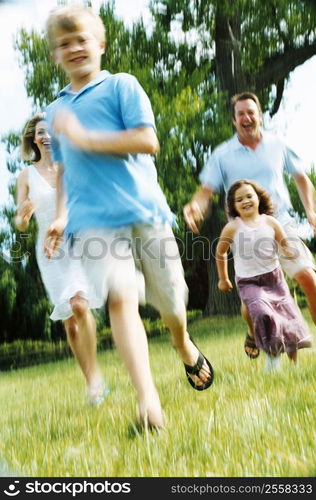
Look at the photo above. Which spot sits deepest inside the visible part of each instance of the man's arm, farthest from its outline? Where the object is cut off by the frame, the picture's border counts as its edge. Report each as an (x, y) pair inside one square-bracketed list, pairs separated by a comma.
[(130, 141), (194, 212), (281, 238), (306, 192)]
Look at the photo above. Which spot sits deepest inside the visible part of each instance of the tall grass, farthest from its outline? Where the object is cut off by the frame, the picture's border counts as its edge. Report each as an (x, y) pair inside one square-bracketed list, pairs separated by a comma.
[(247, 424)]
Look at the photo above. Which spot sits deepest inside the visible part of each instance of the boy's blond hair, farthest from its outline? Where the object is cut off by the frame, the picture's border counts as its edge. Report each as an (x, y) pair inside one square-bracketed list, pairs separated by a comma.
[(71, 18)]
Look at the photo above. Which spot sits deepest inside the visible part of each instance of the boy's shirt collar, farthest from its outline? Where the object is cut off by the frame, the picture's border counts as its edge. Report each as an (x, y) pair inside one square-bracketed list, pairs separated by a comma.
[(98, 79)]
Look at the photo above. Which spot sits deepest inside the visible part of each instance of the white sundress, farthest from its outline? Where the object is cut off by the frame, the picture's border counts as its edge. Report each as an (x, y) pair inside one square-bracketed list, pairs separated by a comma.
[(63, 275)]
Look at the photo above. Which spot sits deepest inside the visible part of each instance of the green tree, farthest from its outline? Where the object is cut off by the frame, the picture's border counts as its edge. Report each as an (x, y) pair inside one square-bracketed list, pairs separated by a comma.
[(24, 306), (216, 48), (194, 56)]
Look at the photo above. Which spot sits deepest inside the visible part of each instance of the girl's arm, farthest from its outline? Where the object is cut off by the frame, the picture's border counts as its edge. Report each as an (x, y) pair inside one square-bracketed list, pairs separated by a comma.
[(225, 240), (281, 238), (25, 207)]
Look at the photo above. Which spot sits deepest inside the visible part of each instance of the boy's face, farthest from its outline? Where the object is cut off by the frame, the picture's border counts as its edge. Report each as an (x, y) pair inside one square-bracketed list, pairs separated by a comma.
[(78, 53)]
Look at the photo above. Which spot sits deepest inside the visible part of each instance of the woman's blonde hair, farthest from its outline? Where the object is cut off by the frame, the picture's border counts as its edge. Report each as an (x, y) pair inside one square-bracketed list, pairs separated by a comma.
[(29, 150), (73, 18)]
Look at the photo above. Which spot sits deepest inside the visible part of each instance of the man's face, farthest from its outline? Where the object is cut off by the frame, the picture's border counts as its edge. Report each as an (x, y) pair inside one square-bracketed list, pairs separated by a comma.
[(247, 121), (78, 53)]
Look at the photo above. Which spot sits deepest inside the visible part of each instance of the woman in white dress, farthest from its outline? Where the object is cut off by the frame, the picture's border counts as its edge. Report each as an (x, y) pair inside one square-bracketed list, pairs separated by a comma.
[(62, 276)]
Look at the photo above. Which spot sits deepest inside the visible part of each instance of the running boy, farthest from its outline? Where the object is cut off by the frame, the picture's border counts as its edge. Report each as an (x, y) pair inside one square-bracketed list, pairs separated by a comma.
[(104, 134)]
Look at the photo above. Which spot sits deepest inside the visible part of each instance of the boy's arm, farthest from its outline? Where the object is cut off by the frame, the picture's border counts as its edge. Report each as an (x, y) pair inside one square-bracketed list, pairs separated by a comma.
[(225, 240), (55, 231), (61, 211), (130, 141), (25, 207)]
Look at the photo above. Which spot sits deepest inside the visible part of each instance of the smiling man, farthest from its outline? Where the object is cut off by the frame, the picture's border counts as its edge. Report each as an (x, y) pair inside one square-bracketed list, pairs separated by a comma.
[(264, 158)]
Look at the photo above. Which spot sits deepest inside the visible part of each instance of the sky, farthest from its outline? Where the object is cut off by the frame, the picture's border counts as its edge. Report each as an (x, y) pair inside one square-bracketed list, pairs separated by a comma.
[(295, 120), (15, 107)]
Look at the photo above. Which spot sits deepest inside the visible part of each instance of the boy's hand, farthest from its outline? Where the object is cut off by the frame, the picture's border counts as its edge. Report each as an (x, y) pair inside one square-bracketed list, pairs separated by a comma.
[(54, 236), (225, 285), (67, 123)]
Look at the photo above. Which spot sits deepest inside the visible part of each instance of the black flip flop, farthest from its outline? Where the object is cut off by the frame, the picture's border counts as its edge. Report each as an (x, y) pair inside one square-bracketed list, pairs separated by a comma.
[(194, 370), (250, 342)]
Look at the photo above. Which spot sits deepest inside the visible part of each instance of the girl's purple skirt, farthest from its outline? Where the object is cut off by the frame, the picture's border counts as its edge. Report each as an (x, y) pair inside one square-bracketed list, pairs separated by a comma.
[(278, 323)]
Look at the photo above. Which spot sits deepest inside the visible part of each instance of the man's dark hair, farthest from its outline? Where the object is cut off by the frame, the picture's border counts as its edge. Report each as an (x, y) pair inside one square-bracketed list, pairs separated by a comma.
[(243, 96)]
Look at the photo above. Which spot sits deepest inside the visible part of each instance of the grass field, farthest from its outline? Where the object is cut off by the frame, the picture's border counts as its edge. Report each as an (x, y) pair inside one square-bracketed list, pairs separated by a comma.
[(248, 424)]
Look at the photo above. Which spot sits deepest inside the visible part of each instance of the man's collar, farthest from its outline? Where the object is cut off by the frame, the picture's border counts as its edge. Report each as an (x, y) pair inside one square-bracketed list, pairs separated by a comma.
[(98, 79), (236, 144)]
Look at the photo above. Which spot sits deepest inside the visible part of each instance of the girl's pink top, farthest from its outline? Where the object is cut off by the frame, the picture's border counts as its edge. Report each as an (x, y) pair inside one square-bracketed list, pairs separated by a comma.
[(255, 249)]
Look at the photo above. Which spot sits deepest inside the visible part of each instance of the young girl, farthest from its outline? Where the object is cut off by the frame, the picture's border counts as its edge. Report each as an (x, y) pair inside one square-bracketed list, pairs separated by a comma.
[(255, 237)]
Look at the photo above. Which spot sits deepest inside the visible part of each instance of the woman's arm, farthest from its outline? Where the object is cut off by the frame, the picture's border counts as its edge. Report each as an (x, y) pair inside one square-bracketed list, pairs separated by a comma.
[(25, 207)]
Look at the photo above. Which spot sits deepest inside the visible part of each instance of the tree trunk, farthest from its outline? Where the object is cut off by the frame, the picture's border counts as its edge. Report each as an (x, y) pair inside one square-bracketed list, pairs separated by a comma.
[(227, 42), (219, 302)]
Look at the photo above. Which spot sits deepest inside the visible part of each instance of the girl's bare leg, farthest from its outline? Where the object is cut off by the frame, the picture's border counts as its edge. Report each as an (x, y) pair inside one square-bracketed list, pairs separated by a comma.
[(251, 351)]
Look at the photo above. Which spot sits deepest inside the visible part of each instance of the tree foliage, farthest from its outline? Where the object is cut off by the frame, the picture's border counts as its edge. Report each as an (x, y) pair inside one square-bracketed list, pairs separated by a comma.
[(193, 57)]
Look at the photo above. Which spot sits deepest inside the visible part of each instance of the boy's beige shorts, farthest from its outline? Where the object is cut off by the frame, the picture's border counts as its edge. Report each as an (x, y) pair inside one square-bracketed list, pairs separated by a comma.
[(141, 258)]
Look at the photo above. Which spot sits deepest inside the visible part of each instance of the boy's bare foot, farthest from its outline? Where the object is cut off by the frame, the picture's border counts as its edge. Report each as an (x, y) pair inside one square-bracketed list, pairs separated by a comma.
[(150, 415)]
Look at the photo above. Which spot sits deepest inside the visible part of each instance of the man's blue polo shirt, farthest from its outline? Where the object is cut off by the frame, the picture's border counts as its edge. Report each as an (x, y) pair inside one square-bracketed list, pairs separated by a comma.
[(105, 190), (266, 165)]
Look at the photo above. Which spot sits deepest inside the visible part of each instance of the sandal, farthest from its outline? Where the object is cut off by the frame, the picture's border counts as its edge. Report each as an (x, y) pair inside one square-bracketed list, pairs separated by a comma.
[(97, 393), (250, 342), (194, 370)]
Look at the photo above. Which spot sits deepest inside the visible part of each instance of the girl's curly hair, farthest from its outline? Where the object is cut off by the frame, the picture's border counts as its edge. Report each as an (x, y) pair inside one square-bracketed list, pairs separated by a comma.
[(265, 202)]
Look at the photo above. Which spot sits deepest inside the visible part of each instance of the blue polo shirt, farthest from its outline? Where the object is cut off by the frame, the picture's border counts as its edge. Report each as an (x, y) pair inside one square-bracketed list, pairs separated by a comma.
[(105, 190), (266, 165)]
